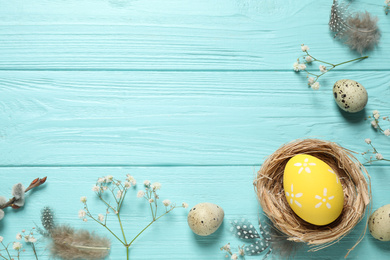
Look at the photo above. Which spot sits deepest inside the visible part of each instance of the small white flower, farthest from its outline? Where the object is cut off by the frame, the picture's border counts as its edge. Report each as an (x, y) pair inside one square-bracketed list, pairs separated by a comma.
[(368, 140), (147, 183), (234, 256), (151, 200), (17, 246), (241, 251), (376, 116), (315, 85), (26, 238), (109, 178), (95, 188), (308, 59), (374, 124), (156, 186), (101, 180), (323, 68), (130, 178), (296, 66), (127, 184), (379, 156), (302, 66), (32, 239), (1, 239), (82, 213), (166, 203), (101, 217), (83, 199), (119, 194), (140, 194), (184, 205), (304, 48), (18, 236), (226, 247), (387, 132), (375, 112), (311, 80)]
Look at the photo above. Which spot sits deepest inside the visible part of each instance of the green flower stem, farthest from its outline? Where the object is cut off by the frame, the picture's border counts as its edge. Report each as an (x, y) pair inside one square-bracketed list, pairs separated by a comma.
[(360, 58), (89, 215), (6, 249), (154, 220), (328, 63), (35, 252), (123, 232)]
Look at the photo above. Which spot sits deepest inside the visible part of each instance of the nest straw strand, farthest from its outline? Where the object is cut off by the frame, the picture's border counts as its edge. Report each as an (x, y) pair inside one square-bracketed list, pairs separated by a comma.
[(357, 195)]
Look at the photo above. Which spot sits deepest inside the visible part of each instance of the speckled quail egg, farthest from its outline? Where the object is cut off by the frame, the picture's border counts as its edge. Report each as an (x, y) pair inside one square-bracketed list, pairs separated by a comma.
[(205, 218), (350, 95), (379, 223)]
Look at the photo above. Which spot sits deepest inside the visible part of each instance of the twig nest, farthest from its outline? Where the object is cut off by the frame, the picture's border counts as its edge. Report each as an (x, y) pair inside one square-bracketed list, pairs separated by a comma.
[(205, 218), (379, 223), (270, 192), (350, 95)]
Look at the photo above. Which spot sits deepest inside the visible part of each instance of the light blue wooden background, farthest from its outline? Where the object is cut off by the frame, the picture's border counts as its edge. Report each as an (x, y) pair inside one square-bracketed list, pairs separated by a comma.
[(193, 94)]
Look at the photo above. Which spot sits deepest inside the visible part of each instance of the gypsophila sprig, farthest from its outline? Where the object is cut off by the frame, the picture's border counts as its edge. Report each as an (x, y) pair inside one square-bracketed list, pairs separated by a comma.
[(377, 122), (387, 6), (372, 154), (233, 256), (112, 192), (307, 59), (13, 250)]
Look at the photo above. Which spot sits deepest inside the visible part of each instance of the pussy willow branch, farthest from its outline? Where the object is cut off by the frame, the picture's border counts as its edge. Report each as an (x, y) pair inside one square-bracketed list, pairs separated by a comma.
[(35, 183)]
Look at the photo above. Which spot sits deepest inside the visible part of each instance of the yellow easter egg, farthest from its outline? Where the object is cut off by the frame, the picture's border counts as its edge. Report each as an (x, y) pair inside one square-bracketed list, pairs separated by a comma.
[(313, 190)]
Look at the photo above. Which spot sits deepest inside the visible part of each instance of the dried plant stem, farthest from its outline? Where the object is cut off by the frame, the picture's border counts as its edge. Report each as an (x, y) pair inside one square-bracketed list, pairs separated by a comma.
[(35, 183)]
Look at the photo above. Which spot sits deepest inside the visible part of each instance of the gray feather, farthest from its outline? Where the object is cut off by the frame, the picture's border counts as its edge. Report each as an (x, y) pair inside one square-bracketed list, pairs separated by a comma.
[(47, 219), (68, 243), (244, 229), (358, 30)]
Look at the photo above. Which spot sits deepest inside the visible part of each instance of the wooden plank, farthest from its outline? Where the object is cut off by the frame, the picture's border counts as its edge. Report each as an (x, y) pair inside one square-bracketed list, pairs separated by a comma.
[(194, 35), (173, 118), (170, 235)]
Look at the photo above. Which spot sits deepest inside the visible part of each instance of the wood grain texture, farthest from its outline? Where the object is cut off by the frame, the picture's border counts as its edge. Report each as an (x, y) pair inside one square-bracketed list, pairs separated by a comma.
[(194, 94), (170, 237), (173, 118), (173, 35)]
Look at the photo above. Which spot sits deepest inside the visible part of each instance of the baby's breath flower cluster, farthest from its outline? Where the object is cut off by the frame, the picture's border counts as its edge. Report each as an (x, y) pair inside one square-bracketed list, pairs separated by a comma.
[(117, 190), (387, 6), (29, 239), (373, 154), (233, 256), (377, 119), (307, 59)]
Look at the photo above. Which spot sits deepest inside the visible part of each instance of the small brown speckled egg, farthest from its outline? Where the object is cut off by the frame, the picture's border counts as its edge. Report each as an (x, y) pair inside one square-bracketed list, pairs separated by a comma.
[(379, 223), (350, 95), (205, 218)]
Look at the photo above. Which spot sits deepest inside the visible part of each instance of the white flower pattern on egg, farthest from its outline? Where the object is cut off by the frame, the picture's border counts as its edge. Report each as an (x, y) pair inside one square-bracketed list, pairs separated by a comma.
[(331, 171), (298, 195), (304, 165), (323, 199)]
